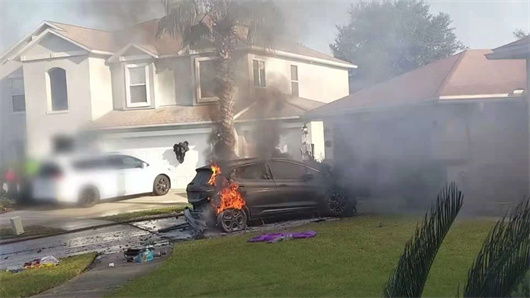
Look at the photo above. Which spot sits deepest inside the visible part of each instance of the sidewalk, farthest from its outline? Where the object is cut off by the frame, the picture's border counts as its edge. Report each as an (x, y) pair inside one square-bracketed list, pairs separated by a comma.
[(100, 280), (69, 218)]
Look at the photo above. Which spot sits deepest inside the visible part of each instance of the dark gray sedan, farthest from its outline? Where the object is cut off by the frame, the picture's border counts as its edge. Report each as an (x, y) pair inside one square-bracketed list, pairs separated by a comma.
[(270, 188)]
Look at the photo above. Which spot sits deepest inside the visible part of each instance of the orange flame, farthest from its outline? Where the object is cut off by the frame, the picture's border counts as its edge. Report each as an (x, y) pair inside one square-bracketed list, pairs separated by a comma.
[(230, 198), (229, 195), (216, 170)]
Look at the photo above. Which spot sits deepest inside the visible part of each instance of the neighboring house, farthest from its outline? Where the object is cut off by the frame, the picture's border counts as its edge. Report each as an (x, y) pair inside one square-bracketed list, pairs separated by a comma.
[(463, 118), (65, 86), (518, 50)]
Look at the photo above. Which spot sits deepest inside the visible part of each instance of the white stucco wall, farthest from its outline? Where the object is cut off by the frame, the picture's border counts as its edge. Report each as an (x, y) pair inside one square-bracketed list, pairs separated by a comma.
[(175, 79), (100, 87), (315, 81), (43, 124), (12, 125), (165, 82)]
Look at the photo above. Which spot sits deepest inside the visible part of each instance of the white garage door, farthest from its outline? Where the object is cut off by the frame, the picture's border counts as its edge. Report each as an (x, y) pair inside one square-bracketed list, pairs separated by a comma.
[(159, 150)]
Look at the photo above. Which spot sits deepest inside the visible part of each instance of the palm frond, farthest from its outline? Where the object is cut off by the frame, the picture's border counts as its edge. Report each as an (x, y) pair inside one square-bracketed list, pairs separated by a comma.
[(408, 280), (183, 20), (264, 21), (504, 258)]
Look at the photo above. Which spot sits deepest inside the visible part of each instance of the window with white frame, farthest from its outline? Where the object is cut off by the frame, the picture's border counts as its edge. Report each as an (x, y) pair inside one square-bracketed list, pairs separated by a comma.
[(18, 98), (294, 80), (205, 78), (137, 85), (57, 90), (259, 73)]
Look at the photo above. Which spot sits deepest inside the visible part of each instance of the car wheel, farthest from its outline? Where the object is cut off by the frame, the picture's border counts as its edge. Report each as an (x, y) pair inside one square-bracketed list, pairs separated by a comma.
[(161, 185), (89, 197), (232, 220), (339, 204)]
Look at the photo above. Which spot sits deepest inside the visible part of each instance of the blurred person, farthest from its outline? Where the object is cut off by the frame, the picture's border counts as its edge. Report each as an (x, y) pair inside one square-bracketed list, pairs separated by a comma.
[(11, 179)]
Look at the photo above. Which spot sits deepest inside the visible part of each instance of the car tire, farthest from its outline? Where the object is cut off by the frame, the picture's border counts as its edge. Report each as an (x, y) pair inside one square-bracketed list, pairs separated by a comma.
[(161, 185), (89, 197), (232, 220), (338, 203)]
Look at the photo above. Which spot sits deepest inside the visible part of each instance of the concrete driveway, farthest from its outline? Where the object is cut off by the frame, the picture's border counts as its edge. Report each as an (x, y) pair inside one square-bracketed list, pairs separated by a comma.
[(71, 217)]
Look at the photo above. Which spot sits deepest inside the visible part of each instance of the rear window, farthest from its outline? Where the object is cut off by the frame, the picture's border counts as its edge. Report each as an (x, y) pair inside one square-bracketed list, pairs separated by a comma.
[(90, 164), (49, 170), (202, 177)]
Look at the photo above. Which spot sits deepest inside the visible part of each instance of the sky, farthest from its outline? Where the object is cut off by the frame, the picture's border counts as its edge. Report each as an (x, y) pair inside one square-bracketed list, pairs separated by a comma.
[(478, 24)]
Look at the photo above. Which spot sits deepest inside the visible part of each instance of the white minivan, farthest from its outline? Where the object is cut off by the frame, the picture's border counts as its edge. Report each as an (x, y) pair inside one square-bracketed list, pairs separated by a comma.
[(87, 180)]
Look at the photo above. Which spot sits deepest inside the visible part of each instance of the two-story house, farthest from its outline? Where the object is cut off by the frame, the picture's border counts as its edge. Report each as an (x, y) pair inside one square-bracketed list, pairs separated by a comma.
[(65, 86)]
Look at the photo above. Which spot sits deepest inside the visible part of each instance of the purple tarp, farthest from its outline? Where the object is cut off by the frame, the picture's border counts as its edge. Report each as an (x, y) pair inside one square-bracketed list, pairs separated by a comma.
[(274, 237)]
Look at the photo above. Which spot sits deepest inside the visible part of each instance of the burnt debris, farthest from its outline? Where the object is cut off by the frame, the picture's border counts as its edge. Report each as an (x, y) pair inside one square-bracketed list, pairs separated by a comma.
[(180, 150)]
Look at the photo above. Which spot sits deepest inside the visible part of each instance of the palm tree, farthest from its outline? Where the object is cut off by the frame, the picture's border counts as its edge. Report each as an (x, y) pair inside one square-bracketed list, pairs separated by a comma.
[(504, 258), (226, 24)]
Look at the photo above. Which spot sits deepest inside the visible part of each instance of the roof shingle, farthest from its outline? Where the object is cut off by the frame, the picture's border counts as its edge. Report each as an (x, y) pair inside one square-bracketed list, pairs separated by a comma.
[(468, 73)]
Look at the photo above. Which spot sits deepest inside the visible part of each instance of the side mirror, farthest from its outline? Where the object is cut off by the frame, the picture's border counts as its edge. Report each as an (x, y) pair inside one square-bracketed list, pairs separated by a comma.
[(144, 165), (308, 177)]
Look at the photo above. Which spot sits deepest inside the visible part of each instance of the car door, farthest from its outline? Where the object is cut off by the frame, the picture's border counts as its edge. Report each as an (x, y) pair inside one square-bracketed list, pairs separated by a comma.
[(298, 186), (136, 178), (256, 186)]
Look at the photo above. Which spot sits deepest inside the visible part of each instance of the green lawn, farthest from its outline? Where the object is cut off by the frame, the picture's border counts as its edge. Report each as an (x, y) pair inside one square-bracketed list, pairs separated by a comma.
[(7, 233), (351, 257), (122, 217), (33, 281)]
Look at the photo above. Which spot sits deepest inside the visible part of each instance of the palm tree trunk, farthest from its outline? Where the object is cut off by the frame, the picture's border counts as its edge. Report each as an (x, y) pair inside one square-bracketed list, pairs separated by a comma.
[(225, 143)]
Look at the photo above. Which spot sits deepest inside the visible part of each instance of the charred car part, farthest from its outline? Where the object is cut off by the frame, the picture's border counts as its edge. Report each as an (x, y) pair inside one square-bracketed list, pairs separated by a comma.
[(269, 188), (180, 150)]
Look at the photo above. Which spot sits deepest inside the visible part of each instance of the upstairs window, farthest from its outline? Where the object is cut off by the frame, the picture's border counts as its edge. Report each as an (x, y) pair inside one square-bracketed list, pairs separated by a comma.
[(18, 98), (205, 77), (259, 73), (56, 87), (137, 85), (294, 80)]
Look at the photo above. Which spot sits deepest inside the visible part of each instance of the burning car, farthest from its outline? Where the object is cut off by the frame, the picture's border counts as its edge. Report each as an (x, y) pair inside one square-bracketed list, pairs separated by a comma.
[(241, 190)]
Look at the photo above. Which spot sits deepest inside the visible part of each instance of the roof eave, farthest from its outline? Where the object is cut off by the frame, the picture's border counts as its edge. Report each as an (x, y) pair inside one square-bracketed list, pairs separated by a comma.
[(315, 114), (514, 52), (303, 57), (116, 56)]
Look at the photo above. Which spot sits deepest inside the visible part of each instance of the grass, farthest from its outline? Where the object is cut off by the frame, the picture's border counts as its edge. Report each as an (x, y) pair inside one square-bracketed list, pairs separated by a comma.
[(33, 281), (122, 217), (351, 257), (7, 233), (6, 204)]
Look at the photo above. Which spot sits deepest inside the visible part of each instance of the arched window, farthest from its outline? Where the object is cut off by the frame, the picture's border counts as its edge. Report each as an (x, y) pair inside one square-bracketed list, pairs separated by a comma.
[(56, 85)]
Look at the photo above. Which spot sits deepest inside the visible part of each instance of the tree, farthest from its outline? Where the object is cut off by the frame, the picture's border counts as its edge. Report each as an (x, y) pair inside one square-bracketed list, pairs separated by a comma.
[(519, 33), (388, 38), (224, 24)]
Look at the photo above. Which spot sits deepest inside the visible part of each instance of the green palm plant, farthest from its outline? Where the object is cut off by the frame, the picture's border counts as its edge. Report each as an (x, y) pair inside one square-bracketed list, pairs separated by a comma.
[(225, 24), (408, 280), (500, 266), (504, 257)]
